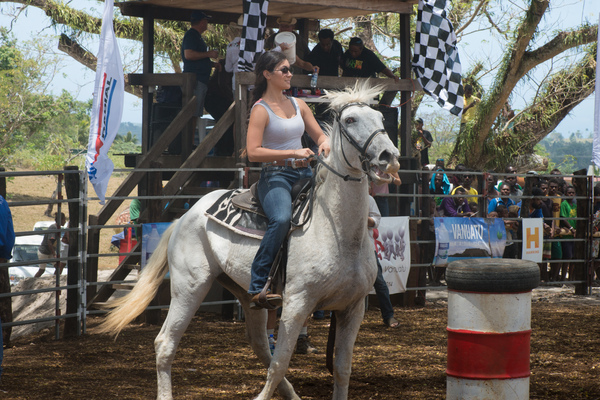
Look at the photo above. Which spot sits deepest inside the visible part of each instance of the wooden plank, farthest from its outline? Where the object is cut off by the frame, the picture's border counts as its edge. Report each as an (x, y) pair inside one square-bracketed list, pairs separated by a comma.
[(198, 155), (334, 82), (162, 79), (132, 180)]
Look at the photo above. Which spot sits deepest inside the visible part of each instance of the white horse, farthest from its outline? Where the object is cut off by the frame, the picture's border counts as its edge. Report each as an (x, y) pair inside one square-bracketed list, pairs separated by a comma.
[(331, 264)]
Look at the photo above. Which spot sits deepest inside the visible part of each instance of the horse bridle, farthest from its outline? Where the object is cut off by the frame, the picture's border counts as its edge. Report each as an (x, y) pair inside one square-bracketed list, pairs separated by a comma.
[(365, 159)]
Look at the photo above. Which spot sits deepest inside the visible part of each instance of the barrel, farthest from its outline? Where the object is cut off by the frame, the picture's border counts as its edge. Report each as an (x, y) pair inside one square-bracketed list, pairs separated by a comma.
[(489, 328)]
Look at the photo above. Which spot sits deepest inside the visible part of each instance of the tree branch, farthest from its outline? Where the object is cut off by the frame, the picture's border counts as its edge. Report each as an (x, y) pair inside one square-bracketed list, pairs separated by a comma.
[(89, 60)]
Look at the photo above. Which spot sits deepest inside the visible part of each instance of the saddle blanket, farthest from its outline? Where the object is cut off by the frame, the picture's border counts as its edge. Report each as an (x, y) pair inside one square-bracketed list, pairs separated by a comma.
[(244, 222)]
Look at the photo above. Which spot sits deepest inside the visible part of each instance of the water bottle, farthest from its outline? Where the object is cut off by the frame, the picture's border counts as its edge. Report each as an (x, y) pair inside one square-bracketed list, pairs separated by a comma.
[(313, 80), (152, 243), (443, 244), (272, 343)]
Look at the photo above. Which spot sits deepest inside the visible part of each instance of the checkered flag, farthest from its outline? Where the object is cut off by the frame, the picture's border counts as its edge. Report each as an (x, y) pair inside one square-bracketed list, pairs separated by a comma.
[(253, 32), (436, 63)]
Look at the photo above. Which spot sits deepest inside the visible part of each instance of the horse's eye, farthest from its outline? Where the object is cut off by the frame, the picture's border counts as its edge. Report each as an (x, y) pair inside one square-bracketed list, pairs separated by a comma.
[(350, 120)]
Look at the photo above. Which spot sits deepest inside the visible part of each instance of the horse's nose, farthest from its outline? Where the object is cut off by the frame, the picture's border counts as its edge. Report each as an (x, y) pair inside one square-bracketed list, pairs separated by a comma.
[(390, 160)]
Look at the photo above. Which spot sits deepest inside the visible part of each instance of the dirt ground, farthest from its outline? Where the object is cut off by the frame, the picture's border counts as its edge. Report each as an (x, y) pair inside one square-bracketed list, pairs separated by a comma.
[(214, 360)]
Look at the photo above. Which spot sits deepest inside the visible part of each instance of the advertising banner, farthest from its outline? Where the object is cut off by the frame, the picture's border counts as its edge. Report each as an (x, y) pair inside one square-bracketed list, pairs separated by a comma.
[(533, 239), (392, 245), (461, 238)]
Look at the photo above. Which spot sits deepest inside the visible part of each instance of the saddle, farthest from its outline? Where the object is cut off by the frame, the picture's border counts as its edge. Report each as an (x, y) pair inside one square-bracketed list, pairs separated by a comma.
[(240, 211)]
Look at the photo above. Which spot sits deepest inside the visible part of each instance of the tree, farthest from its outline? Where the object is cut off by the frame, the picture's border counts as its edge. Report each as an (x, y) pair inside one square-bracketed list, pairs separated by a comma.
[(478, 146)]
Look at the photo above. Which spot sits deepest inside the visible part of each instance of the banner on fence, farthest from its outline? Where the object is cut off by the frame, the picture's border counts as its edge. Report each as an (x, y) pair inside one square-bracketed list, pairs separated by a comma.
[(151, 234), (533, 234), (392, 245), (461, 238)]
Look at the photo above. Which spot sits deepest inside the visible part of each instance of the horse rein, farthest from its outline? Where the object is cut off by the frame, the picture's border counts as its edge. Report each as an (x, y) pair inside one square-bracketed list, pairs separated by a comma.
[(365, 160)]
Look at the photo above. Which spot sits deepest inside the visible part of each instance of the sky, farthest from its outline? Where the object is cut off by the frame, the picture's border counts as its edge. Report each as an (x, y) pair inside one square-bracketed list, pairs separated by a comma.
[(78, 80)]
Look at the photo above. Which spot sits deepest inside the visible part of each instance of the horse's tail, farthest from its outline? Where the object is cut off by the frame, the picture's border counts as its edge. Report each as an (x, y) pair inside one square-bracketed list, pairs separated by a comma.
[(135, 302)]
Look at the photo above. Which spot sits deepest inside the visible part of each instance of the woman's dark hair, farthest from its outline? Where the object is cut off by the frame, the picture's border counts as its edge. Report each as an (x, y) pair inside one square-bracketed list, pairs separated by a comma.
[(266, 62)]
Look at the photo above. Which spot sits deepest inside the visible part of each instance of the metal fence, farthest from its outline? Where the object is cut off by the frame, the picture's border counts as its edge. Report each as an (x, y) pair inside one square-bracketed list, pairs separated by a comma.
[(412, 196)]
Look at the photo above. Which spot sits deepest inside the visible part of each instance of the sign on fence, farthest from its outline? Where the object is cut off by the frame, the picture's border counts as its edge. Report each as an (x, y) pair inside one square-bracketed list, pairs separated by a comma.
[(533, 242), (393, 251), (461, 238)]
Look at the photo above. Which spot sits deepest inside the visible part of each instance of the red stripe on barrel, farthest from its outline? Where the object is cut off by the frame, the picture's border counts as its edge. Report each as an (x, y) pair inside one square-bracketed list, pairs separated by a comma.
[(488, 355)]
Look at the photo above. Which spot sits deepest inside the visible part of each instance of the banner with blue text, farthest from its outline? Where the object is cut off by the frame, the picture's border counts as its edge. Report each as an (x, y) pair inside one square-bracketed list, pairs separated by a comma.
[(462, 238)]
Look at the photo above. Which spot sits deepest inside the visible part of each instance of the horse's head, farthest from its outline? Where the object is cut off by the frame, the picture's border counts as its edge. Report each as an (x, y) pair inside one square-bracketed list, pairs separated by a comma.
[(359, 135)]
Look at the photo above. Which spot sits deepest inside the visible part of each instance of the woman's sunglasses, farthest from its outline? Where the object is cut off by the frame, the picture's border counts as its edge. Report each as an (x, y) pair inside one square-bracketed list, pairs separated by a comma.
[(285, 70)]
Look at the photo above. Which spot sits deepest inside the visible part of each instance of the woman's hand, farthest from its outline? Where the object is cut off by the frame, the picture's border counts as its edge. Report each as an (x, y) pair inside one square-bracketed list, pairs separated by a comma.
[(324, 147), (303, 153)]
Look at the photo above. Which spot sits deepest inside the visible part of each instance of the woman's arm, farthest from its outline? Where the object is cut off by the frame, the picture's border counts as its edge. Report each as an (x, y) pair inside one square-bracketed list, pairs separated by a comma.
[(259, 118), (313, 129)]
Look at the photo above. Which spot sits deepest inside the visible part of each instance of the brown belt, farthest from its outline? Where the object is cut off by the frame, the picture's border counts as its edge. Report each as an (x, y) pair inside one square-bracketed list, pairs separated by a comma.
[(291, 163)]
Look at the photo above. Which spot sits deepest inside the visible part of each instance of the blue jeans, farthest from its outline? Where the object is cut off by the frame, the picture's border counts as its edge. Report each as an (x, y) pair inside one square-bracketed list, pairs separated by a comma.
[(383, 205), (383, 293), (274, 192)]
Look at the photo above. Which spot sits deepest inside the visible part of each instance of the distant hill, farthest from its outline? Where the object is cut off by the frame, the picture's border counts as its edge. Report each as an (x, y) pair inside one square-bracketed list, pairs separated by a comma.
[(134, 128), (569, 154)]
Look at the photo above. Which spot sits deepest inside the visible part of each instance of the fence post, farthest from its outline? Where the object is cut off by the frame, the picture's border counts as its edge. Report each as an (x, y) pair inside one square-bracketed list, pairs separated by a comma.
[(580, 182), (154, 215), (72, 188), (5, 303)]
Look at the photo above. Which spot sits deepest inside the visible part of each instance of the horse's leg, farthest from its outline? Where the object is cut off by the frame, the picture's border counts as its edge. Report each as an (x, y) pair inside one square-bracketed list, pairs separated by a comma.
[(185, 300), (256, 330), (292, 318), (348, 323)]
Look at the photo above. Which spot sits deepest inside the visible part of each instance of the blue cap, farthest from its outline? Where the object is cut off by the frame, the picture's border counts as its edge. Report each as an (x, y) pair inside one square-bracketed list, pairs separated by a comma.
[(198, 15)]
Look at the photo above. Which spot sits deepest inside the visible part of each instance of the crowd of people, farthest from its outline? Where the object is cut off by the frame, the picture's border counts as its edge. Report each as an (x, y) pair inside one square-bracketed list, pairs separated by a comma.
[(552, 198)]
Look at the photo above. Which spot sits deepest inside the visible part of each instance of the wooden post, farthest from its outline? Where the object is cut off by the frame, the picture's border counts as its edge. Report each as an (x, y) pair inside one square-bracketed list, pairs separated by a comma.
[(580, 182), (6, 302), (154, 215), (73, 189)]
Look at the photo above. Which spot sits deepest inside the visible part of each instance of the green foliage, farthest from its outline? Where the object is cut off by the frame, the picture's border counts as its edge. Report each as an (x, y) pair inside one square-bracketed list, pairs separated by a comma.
[(568, 155), (31, 119)]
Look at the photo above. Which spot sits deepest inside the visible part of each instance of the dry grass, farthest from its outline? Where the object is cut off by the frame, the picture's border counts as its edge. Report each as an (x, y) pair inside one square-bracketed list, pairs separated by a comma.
[(40, 188)]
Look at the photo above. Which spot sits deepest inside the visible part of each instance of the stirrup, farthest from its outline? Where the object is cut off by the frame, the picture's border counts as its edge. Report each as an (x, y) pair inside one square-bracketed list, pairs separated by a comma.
[(266, 299)]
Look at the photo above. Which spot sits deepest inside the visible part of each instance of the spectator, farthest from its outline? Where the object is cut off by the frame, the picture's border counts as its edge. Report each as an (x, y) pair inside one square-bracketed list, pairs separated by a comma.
[(7, 241), (232, 55), (502, 199), (555, 247), (512, 232), (381, 288), (287, 23), (568, 213), (465, 183), (456, 206), (439, 185), (380, 191), (490, 187), (470, 108), (516, 191), (423, 141), (360, 62), (197, 57), (327, 54), (47, 249)]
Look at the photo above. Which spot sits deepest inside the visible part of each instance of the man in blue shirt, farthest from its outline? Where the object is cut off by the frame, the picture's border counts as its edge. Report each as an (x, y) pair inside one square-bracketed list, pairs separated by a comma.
[(197, 57), (7, 241)]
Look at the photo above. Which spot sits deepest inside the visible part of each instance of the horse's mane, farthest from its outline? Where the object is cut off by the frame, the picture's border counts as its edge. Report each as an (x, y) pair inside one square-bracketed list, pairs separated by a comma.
[(362, 92)]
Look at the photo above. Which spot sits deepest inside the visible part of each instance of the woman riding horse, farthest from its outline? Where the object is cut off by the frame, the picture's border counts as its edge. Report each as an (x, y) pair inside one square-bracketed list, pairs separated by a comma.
[(276, 125)]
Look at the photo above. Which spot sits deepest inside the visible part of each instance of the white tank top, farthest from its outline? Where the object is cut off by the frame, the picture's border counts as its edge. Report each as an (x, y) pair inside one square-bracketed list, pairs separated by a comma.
[(282, 133)]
